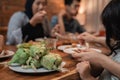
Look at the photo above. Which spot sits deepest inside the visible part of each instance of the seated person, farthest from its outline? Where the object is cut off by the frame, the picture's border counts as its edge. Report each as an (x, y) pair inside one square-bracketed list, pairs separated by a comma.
[(93, 63), (65, 22), (29, 24)]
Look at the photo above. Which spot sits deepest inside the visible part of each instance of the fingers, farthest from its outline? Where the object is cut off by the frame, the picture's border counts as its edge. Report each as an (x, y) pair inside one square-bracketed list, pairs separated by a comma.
[(56, 29), (42, 13), (82, 36), (77, 55), (83, 63)]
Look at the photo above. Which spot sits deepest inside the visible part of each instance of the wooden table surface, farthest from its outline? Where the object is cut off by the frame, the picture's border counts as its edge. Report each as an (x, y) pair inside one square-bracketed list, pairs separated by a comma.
[(7, 74)]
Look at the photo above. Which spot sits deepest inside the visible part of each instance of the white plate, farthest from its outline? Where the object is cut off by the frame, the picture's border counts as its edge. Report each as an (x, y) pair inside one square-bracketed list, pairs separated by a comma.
[(64, 47), (10, 53), (71, 50), (21, 70)]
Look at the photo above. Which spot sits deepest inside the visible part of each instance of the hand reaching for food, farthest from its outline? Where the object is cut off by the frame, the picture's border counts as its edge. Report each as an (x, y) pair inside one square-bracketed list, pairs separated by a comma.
[(86, 37)]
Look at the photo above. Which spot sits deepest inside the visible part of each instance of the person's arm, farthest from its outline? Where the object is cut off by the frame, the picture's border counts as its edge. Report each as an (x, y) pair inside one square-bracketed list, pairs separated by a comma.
[(100, 40), (91, 38), (14, 25), (84, 69), (60, 22), (110, 65)]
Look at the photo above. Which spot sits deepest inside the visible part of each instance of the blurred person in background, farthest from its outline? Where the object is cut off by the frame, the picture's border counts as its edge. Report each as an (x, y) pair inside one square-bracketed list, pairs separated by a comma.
[(107, 68), (65, 21), (29, 24)]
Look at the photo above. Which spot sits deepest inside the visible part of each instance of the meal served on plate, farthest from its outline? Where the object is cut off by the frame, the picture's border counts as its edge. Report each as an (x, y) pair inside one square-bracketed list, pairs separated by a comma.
[(6, 53), (35, 56), (62, 47), (78, 50)]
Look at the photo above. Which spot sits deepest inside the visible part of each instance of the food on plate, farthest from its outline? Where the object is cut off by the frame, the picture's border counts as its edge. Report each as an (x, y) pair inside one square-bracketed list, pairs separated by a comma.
[(38, 51), (21, 56), (4, 52), (35, 56), (51, 61), (74, 44), (77, 50)]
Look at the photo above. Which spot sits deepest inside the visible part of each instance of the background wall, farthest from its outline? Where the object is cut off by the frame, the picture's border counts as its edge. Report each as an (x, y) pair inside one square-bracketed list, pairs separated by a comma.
[(93, 12), (8, 7), (89, 13)]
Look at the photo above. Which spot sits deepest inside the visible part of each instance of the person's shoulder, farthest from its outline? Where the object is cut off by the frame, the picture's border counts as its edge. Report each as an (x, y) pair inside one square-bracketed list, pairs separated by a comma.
[(19, 13)]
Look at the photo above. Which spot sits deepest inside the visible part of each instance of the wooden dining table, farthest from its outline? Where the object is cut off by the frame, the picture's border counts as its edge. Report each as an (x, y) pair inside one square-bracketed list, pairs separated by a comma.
[(71, 74)]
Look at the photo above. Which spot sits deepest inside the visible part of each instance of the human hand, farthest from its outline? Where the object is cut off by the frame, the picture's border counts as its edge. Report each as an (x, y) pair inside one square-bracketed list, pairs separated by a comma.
[(84, 69), (86, 37), (55, 30), (38, 17), (90, 55)]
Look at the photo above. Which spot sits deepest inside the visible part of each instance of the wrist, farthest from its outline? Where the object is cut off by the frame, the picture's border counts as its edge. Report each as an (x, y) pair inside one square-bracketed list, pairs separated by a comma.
[(32, 22), (104, 60), (88, 77), (95, 39)]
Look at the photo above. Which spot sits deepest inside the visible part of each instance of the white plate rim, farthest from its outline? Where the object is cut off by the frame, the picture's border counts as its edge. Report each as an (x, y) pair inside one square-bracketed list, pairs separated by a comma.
[(19, 69), (69, 49), (66, 50), (62, 47), (10, 53)]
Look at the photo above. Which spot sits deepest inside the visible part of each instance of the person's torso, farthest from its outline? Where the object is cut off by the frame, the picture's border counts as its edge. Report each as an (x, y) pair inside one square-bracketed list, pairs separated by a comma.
[(70, 25), (36, 32)]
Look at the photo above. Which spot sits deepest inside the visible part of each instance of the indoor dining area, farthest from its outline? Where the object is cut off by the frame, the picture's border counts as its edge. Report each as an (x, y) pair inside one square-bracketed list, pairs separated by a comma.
[(59, 40)]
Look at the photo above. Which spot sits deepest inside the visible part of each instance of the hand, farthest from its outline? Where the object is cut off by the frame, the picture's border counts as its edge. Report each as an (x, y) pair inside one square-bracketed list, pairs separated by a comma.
[(87, 37), (84, 70), (55, 30), (38, 17), (89, 55)]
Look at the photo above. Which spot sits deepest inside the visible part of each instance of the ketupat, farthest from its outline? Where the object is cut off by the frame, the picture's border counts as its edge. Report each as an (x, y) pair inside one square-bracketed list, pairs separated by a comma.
[(34, 63), (36, 55), (37, 51), (20, 57), (51, 61)]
